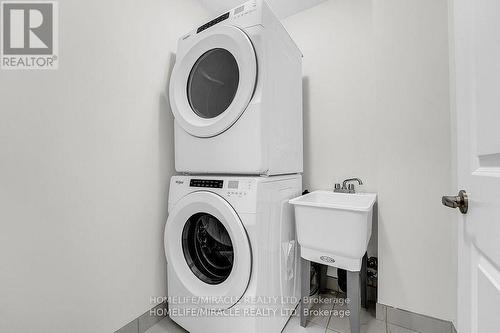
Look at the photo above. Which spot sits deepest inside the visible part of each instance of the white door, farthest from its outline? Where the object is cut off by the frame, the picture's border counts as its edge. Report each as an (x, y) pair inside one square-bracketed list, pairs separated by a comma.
[(477, 72), (208, 249), (213, 80)]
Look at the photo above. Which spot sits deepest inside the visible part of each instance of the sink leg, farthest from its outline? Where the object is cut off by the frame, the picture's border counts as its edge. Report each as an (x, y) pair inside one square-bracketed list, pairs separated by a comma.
[(353, 293), (364, 284), (305, 285)]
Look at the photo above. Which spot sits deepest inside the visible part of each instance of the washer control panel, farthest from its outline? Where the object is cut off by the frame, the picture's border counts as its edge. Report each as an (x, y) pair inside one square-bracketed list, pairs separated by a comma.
[(210, 183), (238, 188), (239, 191)]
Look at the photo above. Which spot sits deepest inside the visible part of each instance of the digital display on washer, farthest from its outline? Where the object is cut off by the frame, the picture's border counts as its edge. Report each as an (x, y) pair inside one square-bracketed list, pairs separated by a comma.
[(213, 22), (211, 183), (232, 184)]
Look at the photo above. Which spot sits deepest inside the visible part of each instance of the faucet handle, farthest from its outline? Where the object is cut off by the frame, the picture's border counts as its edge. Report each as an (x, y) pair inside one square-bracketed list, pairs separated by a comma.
[(350, 187), (337, 186)]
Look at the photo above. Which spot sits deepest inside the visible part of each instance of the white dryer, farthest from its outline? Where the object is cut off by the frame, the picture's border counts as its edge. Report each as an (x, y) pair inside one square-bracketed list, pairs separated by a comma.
[(231, 251), (236, 95)]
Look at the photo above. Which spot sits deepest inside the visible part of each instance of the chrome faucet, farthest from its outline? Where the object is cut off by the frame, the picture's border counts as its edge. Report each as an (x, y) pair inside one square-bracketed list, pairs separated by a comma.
[(346, 187)]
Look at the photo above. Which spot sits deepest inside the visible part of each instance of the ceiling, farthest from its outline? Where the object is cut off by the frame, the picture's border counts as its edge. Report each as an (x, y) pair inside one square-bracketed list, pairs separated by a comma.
[(282, 8)]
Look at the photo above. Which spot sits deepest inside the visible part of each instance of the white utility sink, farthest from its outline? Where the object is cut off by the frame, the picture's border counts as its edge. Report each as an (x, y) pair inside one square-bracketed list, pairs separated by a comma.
[(334, 228)]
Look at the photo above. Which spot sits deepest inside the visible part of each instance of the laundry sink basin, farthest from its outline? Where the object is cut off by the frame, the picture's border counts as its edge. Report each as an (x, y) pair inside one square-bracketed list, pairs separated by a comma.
[(334, 228)]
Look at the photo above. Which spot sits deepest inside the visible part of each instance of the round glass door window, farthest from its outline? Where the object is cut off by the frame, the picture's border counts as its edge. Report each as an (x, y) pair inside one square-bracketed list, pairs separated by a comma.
[(213, 83), (207, 248)]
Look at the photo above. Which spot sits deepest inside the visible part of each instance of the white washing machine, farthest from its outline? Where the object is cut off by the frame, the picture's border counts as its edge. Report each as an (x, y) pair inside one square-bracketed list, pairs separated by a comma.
[(231, 253), (236, 95)]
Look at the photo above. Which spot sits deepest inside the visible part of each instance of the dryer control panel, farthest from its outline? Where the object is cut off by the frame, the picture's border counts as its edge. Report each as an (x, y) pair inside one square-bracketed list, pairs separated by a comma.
[(240, 11), (246, 8), (219, 19), (245, 15)]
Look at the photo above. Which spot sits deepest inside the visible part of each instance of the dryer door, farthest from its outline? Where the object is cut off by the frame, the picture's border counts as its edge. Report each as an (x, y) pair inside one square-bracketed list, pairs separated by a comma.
[(212, 84), (208, 248)]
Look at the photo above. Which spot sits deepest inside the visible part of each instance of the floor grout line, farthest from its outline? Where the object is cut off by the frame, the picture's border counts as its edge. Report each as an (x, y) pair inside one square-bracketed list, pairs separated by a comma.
[(328, 322)]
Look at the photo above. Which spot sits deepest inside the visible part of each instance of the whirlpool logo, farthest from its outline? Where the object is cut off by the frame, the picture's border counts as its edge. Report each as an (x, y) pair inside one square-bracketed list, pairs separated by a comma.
[(29, 35)]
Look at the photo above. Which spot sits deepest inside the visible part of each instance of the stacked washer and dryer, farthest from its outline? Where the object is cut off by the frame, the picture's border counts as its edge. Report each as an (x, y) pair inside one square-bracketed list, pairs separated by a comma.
[(236, 95)]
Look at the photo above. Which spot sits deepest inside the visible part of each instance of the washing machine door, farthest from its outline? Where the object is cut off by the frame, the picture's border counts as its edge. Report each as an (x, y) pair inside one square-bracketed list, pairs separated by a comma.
[(208, 248), (213, 82)]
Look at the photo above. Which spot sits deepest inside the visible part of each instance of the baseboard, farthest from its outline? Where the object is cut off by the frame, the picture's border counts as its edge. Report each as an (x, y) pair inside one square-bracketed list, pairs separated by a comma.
[(146, 320), (413, 321)]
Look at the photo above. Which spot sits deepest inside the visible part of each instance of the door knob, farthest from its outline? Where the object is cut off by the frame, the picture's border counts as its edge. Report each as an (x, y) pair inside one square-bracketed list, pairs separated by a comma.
[(460, 201)]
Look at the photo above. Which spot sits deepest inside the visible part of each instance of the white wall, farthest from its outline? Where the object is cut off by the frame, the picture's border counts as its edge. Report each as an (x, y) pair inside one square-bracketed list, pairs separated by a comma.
[(377, 107), (86, 153)]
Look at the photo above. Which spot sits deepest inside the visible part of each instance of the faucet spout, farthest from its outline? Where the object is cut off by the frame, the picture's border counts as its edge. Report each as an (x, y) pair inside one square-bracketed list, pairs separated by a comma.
[(344, 183)]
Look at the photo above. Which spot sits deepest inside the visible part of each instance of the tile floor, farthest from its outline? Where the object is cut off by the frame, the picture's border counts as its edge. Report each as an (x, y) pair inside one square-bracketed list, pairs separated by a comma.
[(316, 324)]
